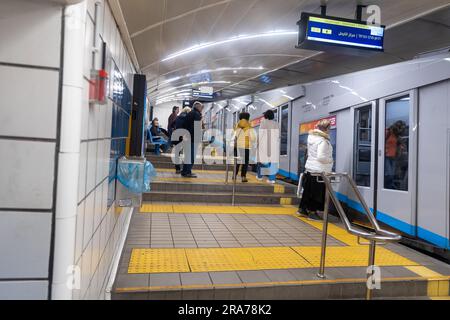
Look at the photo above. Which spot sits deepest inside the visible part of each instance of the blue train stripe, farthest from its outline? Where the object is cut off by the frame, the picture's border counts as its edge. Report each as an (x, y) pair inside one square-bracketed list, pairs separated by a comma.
[(404, 227)]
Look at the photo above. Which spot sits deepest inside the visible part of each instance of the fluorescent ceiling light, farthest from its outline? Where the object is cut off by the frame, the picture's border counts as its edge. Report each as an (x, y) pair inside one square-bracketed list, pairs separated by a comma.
[(165, 92), (233, 39), (210, 71)]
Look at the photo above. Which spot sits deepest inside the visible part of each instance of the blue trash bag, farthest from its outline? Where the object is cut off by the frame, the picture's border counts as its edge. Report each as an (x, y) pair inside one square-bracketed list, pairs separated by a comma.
[(135, 176)]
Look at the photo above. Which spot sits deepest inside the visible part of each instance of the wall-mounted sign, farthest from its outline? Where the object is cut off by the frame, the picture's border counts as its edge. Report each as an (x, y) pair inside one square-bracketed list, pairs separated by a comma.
[(203, 92), (317, 30)]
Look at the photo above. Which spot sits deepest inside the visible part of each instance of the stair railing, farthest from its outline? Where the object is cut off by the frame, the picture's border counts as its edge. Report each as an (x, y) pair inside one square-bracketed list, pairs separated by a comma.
[(376, 234)]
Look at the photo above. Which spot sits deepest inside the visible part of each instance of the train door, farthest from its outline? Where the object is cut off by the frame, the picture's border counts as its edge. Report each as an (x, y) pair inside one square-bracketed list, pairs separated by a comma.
[(364, 151), (397, 162)]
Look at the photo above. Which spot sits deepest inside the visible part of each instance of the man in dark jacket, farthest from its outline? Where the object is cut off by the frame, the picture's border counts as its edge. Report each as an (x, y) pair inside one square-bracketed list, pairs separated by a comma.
[(191, 123), (172, 119), (180, 124)]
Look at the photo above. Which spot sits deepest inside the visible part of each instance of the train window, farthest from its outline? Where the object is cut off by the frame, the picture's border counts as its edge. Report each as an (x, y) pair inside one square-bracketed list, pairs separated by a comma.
[(363, 146), (275, 112), (284, 130), (397, 132)]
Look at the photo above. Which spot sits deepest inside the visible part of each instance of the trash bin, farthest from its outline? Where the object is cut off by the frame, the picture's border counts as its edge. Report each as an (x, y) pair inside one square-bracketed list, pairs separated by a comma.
[(134, 176)]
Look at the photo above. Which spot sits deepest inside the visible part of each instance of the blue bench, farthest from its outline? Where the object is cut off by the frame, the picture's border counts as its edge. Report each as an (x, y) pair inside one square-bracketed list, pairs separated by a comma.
[(154, 141)]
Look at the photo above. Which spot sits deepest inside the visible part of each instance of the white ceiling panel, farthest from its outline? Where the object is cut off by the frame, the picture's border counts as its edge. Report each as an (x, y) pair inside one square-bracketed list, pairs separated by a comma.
[(161, 28)]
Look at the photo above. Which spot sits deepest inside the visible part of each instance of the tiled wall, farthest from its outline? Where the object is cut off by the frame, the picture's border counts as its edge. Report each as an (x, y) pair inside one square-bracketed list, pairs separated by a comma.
[(105, 128), (30, 49), (29, 91)]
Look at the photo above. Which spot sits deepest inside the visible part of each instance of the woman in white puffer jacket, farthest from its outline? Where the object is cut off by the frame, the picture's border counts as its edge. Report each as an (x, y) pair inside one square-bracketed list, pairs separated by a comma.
[(320, 159)]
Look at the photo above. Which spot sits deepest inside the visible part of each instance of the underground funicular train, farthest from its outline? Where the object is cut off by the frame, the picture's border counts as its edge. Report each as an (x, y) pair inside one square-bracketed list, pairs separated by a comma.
[(391, 131)]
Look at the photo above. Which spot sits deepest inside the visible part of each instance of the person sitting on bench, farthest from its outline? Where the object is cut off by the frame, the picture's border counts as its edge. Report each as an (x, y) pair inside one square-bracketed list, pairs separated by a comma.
[(160, 135)]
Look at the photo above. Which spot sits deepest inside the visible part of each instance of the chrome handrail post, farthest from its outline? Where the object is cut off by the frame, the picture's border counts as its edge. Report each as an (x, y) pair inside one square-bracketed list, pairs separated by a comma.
[(372, 249), (321, 273), (227, 170)]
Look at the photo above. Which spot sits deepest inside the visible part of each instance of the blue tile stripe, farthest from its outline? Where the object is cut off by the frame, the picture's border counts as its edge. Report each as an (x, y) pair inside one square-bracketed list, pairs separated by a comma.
[(404, 227)]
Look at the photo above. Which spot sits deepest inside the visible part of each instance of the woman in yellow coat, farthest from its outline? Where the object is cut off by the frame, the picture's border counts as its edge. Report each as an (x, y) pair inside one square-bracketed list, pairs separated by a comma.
[(245, 139)]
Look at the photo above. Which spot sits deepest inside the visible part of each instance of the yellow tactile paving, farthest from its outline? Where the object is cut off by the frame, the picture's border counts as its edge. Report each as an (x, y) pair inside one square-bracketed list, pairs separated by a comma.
[(286, 201), (334, 231), (145, 261), (352, 257), (279, 189), (210, 260)]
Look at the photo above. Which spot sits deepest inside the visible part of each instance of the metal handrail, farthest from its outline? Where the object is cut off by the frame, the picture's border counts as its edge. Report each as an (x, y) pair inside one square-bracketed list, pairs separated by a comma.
[(233, 199), (227, 170), (377, 235)]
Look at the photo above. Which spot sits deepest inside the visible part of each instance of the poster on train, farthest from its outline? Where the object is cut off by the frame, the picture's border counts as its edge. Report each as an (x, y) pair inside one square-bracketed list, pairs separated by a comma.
[(305, 128)]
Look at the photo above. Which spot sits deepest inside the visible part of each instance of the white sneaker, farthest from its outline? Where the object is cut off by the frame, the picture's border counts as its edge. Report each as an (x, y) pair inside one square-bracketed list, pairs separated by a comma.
[(271, 181), (259, 179)]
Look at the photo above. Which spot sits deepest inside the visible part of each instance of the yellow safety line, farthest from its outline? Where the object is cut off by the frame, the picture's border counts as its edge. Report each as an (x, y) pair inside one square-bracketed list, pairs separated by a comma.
[(424, 272), (438, 285), (447, 298), (262, 284), (194, 209)]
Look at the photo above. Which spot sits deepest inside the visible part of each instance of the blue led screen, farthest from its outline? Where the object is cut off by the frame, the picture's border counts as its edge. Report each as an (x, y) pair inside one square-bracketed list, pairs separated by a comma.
[(345, 33)]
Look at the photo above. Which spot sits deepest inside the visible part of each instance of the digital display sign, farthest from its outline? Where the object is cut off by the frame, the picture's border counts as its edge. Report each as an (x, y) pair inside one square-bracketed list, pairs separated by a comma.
[(324, 30)]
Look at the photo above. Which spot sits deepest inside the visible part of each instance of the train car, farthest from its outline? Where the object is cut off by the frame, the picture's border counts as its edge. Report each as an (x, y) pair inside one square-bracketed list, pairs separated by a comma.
[(391, 131)]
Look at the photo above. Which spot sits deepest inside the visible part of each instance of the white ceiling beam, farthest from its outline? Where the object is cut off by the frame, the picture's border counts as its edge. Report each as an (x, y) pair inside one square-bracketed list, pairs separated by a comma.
[(188, 13)]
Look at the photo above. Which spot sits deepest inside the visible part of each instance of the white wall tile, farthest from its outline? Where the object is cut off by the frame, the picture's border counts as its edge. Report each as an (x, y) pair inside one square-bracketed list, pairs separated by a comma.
[(92, 122), (91, 165), (30, 21), (88, 46), (100, 160), (31, 112), (25, 244), (89, 212), (86, 270), (23, 290), (85, 112), (26, 177), (105, 198), (83, 171), (108, 124), (79, 232), (98, 203)]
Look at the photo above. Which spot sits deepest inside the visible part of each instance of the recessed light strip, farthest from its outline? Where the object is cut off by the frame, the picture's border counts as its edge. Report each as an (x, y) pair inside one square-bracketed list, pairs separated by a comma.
[(233, 39)]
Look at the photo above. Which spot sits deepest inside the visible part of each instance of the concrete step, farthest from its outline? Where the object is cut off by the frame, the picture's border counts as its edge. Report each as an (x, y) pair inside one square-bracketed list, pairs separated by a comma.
[(415, 289), (170, 165), (285, 189), (219, 197)]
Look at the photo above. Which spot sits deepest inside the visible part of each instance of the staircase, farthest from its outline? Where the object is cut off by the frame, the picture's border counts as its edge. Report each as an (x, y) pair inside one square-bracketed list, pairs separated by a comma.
[(210, 187)]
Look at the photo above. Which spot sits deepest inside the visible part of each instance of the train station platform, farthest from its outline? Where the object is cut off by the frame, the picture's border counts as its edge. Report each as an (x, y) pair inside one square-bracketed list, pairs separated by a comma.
[(188, 242)]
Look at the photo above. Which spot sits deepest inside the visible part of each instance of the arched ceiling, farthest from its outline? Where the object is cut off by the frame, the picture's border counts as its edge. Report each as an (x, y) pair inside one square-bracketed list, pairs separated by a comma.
[(245, 46)]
